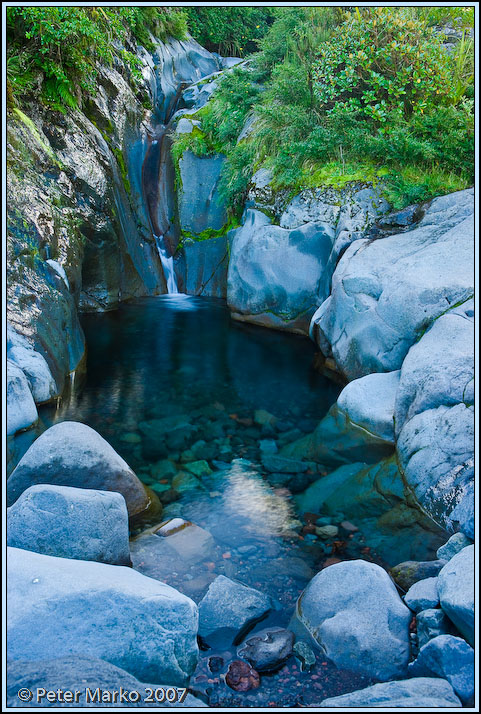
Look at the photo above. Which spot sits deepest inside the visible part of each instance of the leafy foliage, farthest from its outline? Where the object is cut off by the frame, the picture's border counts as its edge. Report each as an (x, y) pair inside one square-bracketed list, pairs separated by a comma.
[(232, 31)]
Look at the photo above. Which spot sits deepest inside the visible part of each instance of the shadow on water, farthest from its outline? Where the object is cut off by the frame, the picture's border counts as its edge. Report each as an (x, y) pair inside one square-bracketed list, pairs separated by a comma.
[(176, 387)]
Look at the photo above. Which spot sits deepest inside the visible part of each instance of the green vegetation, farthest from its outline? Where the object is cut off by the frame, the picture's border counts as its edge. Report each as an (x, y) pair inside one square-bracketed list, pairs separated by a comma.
[(367, 96), (230, 31), (57, 49)]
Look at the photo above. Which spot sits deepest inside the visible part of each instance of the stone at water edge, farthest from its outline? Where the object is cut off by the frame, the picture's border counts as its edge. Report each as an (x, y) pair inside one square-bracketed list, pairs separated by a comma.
[(450, 658), (78, 673), (369, 403), (456, 591), (32, 364), (353, 611), (71, 523), (230, 608), (305, 655), (268, 649), (242, 677), (73, 454), (60, 607), (21, 409), (422, 595), (454, 545), (432, 622), (411, 571), (410, 693)]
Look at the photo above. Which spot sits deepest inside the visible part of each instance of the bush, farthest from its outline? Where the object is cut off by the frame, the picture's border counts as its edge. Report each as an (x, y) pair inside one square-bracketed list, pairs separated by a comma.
[(232, 31), (382, 61)]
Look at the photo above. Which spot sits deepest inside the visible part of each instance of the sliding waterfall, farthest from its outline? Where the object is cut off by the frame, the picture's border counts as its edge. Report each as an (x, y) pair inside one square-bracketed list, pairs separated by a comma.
[(167, 265)]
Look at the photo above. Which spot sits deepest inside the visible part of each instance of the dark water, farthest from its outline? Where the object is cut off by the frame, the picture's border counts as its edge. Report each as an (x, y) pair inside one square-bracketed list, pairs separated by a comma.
[(175, 386)]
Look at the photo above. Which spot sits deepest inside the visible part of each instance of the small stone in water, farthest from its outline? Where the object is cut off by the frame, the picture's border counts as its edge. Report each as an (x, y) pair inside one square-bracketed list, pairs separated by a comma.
[(241, 677), (215, 664), (306, 656), (327, 531), (348, 526)]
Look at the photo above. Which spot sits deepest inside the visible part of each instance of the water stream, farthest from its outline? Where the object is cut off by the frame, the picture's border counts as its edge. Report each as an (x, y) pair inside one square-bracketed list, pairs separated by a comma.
[(172, 381)]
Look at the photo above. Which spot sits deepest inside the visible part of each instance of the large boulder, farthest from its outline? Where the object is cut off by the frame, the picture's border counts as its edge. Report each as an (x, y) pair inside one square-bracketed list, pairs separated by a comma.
[(456, 591), (277, 277), (450, 658), (73, 454), (200, 205), (98, 683), (422, 595), (71, 523), (436, 454), (60, 607), (21, 409), (229, 609), (439, 369), (354, 613), (386, 292), (410, 693), (32, 364)]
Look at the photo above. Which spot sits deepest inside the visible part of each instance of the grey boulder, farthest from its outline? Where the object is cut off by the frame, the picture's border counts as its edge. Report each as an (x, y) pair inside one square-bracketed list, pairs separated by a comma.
[(369, 403), (410, 693), (456, 591), (71, 523), (354, 613), (386, 293), (454, 545), (32, 364), (268, 649), (21, 409), (411, 571), (78, 673), (450, 658), (60, 607), (73, 454), (430, 623), (230, 609), (422, 595)]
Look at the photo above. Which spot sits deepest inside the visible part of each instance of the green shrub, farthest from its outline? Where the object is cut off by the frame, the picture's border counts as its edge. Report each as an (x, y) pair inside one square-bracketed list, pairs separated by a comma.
[(232, 31)]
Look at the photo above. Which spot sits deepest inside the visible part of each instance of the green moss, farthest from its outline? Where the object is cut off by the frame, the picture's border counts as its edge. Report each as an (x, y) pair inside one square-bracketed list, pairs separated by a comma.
[(122, 167), (36, 135)]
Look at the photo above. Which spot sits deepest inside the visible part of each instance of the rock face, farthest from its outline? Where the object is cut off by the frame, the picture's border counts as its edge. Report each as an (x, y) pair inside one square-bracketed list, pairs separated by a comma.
[(419, 692), (456, 591), (73, 454), (354, 613), (206, 264), (277, 277), (21, 409), (71, 523), (32, 364), (386, 292), (200, 206), (450, 658), (79, 674), (230, 609), (95, 610)]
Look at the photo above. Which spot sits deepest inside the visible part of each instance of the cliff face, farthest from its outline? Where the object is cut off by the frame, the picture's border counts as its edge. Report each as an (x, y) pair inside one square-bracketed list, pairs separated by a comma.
[(79, 232)]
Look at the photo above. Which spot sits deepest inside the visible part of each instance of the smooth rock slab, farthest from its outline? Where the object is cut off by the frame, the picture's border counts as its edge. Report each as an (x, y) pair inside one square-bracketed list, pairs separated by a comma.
[(60, 607), (422, 595), (450, 658), (71, 523), (354, 613), (230, 609), (456, 591), (79, 674), (431, 623), (409, 693), (73, 454), (21, 409), (200, 205)]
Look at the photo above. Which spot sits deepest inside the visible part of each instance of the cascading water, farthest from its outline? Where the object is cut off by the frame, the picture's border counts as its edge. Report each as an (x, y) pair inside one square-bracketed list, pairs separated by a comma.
[(167, 265)]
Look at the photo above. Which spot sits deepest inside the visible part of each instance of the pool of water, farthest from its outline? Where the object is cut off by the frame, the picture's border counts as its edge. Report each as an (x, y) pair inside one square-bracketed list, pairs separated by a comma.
[(193, 401)]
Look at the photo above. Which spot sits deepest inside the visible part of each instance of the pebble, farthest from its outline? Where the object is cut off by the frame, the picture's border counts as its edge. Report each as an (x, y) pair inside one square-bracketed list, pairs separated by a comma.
[(327, 531), (241, 677)]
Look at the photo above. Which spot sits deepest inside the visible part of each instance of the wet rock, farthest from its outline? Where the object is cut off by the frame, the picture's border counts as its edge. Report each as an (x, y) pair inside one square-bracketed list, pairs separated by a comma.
[(189, 541), (88, 608), (436, 453), (327, 531), (183, 482), (456, 591), (422, 595), (407, 573), (163, 469), (21, 409), (215, 664), (32, 364), (263, 417), (450, 658), (410, 693), (348, 526), (381, 300), (281, 464), (78, 673), (277, 276), (305, 655), (241, 677), (199, 468), (430, 623), (369, 403), (200, 204), (71, 523), (268, 649), (229, 609), (454, 545), (206, 264), (351, 608), (73, 454), (268, 446)]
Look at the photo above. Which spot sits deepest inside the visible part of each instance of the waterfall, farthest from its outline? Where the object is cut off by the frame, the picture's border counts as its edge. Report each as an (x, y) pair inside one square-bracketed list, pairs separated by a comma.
[(167, 265)]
